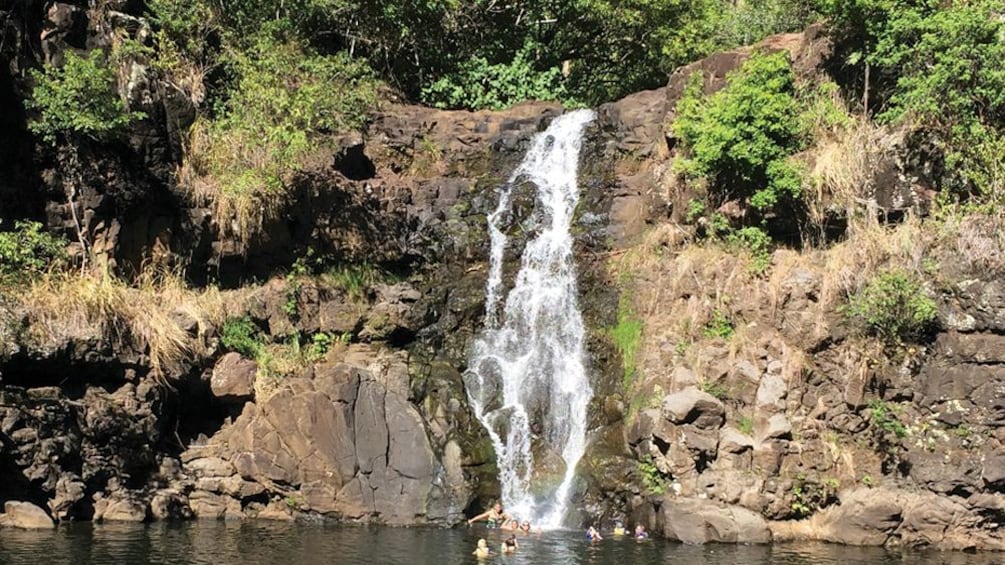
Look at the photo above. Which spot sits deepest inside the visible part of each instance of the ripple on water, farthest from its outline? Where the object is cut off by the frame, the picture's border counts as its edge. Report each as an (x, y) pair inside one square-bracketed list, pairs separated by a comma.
[(268, 543)]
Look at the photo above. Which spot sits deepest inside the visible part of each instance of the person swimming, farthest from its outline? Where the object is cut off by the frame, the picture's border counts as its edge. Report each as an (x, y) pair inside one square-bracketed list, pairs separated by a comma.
[(525, 527), (593, 535), (494, 517), (510, 545), (619, 529), (640, 532), (482, 550), (511, 524)]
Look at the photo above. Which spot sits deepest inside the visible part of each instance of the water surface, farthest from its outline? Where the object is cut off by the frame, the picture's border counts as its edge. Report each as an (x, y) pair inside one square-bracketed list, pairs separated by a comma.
[(277, 543)]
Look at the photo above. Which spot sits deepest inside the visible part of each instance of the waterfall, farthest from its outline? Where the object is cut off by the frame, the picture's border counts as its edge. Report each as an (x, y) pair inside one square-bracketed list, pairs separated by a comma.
[(526, 380)]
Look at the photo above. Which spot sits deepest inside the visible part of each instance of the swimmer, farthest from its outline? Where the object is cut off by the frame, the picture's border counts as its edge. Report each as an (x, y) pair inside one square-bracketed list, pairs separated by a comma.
[(593, 535), (640, 532), (619, 529), (482, 550), (494, 517), (525, 527), (512, 524), (510, 545)]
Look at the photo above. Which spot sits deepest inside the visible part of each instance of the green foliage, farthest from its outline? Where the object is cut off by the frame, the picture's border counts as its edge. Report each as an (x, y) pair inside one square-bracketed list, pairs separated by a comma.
[(718, 326), (695, 209), (753, 20), (653, 480), (627, 337), (355, 279), (28, 252), (283, 99), (754, 241), (321, 342), (186, 38), (741, 136), (617, 47), (886, 431), (893, 306), (937, 65), (242, 335), (808, 495), (78, 99), (481, 84), (823, 112), (883, 417)]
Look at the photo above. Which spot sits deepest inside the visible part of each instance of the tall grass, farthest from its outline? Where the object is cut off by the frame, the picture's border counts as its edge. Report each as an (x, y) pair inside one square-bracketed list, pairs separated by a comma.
[(148, 316)]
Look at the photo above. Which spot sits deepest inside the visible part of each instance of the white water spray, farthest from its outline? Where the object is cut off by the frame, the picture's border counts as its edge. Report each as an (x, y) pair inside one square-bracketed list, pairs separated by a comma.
[(526, 380)]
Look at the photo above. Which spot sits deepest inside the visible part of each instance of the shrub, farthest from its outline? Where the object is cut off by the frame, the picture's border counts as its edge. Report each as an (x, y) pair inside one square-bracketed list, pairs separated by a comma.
[(754, 241), (719, 325), (78, 99), (746, 22), (653, 479), (741, 136), (284, 102), (894, 307), (241, 335), (937, 65), (481, 84), (28, 251)]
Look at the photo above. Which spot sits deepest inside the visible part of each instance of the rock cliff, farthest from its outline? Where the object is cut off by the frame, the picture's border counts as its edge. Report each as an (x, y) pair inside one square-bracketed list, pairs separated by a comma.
[(788, 426)]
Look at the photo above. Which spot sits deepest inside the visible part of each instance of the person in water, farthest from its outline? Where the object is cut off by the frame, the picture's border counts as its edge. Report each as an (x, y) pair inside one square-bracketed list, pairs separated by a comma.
[(593, 535), (512, 524), (494, 517), (640, 532), (482, 550), (525, 527), (619, 528), (510, 545)]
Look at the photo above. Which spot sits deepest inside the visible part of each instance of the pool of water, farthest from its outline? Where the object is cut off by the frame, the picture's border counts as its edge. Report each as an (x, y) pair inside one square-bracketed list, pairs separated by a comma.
[(276, 543)]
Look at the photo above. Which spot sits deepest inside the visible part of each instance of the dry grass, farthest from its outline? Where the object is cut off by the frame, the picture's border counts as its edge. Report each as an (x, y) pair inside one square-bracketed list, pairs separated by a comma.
[(149, 316), (234, 177), (842, 168), (979, 240), (869, 248)]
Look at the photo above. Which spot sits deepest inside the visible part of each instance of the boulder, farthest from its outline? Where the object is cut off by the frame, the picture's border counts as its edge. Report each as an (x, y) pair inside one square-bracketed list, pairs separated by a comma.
[(25, 515), (233, 378), (732, 440), (993, 471), (698, 521), (775, 427), (771, 393), (119, 509), (693, 406)]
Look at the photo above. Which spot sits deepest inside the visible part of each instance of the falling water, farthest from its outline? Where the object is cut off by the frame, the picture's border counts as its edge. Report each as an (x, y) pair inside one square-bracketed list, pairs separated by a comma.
[(526, 380)]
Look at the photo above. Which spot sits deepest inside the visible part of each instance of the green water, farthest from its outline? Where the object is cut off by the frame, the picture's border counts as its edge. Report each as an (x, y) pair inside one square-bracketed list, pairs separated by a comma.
[(269, 543)]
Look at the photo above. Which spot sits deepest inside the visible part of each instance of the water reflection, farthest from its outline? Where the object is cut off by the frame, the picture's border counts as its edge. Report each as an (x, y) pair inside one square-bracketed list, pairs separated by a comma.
[(266, 543)]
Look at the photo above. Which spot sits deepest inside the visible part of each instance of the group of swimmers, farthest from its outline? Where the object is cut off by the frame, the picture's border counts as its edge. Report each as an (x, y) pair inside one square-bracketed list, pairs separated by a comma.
[(593, 534), (496, 518)]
